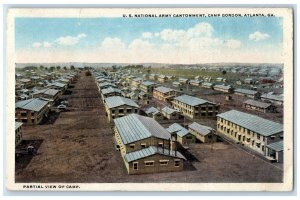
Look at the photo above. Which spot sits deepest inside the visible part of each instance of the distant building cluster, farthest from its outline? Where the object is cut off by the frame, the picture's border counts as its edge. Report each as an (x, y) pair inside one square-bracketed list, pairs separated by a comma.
[(36, 92)]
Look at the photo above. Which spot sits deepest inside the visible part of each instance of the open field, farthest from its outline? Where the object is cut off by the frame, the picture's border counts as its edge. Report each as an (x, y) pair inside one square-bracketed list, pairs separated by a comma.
[(79, 147)]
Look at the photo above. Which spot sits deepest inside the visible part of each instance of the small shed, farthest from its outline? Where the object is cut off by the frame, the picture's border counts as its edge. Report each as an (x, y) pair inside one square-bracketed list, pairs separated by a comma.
[(274, 151), (170, 113), (182, 135), (203, 133), (154, 113)]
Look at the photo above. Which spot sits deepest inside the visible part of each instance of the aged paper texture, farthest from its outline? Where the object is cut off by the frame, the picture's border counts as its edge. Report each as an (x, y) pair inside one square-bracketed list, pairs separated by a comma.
[(150, 99)]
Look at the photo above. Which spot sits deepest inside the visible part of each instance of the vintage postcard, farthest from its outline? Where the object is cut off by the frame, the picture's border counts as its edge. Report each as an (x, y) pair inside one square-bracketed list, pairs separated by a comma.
[(149, 99)]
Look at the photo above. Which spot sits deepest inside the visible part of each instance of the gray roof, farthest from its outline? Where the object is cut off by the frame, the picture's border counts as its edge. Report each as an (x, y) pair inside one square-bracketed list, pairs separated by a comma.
[(168, 110), (183, 79), (201, 129), (106, 84), (57, 84), (137, 79), (32, 104), (224, 87), (24, 80), (18, 124), (178, 129), (252, 122), (152, 110), (195, 81), (183, 132), (276, 146), (174, 128), (148, 83), (207, 84), (163, 89), (152, 150), (110, 90), (51, 92), (190, 100), (272, 97), (245, 91), (257, 103), (24, 96), (135, 127), (116, 101), (24, 90)]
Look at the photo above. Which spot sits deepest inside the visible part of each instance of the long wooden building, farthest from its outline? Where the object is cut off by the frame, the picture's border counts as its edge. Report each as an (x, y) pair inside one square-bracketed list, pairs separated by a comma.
[(145, 146), (164, 94), (194, 107), (250, 130), (117, 106), (31, 111)]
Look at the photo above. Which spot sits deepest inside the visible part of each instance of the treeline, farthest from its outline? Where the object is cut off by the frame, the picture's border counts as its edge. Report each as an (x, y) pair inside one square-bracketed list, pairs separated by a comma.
[(133, 67), (51, 68)]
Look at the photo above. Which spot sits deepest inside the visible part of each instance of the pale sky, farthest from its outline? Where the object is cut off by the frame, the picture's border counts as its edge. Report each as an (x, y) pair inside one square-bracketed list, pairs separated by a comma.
[(144, 40)]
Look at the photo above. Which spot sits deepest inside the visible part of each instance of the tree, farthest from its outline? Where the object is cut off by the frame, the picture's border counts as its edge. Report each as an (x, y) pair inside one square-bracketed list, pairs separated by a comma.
[(114, 68), (72, 67), (88, 73), (224, 72), (52, 68), (65, 68), (41, 67), (58, 67), (149, 70)]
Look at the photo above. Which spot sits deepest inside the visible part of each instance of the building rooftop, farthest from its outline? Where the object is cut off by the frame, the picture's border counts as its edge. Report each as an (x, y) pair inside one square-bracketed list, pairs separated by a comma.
[(224, 87), (18, 124), (183, 79), (163, 89), (137, 79), (257, 103), (116, 101), (168, 110), (32, 104), (110, 90), (135, 127), (203, 130), (178, 129), (58, 84), (252, 122), (174, 128), (51, 92), (151, 110), (190, 100), (152, 150), (245, 91), (106, 84), (195, 81), (148, 83), (276, 146), (272, 97), (207, 84)]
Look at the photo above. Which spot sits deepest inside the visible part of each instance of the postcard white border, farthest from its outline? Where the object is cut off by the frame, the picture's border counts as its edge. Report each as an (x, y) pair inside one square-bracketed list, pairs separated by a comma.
[(287, 184)]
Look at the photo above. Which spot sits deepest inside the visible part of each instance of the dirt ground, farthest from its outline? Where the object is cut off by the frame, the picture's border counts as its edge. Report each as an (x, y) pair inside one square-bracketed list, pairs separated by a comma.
[(78, 147)]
